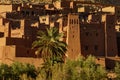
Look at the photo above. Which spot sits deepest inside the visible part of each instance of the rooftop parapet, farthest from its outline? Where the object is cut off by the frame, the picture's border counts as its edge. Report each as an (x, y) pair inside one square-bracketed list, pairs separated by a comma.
[(9, 7), (109, 9)]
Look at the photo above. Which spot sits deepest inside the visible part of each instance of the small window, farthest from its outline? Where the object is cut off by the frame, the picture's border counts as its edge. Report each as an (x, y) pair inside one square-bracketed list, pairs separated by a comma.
[(119, 29), (44, 19), (97, 19), (112, 49), (28, 52), (96, 47), (27, 13), (32, 13), (118, 11), (72, 21), (86, 33), (73, 36), (96, 34), (22, 12), (86, 48), (72, 50), (52, 19), (111, 23)]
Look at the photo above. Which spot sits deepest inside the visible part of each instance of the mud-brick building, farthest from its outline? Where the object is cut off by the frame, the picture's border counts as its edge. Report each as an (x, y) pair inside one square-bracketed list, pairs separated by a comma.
[(18, 28), (17, 32), (16, 42), (84, 32), (96, 37)]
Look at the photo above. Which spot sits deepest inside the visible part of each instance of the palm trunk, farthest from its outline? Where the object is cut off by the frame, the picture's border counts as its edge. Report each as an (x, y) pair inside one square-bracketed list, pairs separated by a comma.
[(49, 71), (49, 75), (3, 78)]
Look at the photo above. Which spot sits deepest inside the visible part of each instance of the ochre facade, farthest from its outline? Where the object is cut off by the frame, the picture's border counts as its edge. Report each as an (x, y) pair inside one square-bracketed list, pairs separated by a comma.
[(86, 31)]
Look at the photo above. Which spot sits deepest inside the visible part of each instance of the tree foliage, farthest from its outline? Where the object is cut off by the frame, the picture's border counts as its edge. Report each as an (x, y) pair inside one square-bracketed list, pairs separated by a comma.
[(50, 48), (84, 69), (49, 45), (80, 69), (117, 71), (17, 71)]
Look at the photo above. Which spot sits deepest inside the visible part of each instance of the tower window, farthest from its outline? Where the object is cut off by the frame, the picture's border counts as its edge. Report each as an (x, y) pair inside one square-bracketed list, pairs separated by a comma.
[(72, 21), (73, 36), (72, 50)]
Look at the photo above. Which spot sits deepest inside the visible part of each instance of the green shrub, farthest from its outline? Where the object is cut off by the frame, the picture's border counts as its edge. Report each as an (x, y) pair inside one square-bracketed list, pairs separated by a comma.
[(84, 69), (5, 72), (117, 71), (80, 69)]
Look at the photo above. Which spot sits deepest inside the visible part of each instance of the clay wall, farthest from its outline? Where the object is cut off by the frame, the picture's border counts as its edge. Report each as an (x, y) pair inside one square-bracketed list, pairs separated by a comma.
[(26, 52), (111, 36), (109, 9), (7, 52), (1, 21), (92, 39), (19, 41), (117, 14), (34, 61), (5, 8), (2, 41), (2, 28), (73, 36)]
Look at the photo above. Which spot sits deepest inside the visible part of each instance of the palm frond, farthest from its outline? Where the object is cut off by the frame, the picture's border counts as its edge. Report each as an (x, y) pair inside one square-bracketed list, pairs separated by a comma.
[(49, 44)]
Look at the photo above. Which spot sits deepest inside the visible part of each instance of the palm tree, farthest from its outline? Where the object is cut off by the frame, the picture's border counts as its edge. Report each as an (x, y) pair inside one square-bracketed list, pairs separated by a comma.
[(50, 48), (49, 45)]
